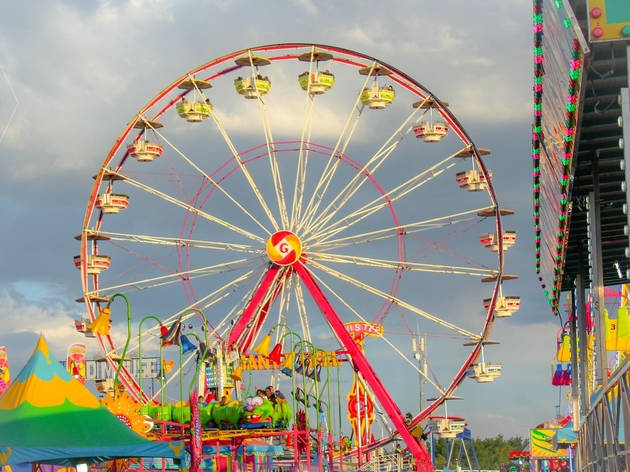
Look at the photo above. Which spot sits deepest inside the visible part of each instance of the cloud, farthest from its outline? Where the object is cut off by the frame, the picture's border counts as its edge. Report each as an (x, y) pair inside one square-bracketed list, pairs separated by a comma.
[(285, 119), (359, 35), (92, 84), (29, 309), (495, 97), (9, 104), (523, 396), (306, 5), (21, 316), (83, 69), (86, 82)]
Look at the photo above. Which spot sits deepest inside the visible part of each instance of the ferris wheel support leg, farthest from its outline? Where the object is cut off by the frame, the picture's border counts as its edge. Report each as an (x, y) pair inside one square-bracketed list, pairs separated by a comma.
[(252, 308), (359, 362), (264, 311)]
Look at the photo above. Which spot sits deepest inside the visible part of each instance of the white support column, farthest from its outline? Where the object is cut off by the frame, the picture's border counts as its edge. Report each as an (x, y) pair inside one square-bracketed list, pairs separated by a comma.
[(582, 335), (625, 117), (597, 281), (575, 397)]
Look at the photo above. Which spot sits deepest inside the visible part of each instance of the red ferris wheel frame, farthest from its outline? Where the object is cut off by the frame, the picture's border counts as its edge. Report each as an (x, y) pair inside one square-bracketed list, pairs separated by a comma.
[(288, 52)]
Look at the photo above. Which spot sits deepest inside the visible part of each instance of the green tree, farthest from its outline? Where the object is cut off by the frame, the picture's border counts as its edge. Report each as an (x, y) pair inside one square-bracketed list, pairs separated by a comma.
[(491, 452)]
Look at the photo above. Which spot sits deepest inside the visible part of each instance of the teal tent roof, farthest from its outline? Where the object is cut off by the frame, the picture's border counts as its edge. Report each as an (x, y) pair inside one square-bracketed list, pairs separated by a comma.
[(47, 416)]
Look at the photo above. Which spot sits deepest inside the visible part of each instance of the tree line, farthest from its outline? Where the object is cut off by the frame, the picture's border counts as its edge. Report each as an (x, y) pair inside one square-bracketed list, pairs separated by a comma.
[(491, 452)]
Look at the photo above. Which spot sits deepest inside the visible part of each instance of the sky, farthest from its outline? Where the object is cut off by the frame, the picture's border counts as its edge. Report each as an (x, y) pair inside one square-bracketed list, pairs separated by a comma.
[(74, 74)]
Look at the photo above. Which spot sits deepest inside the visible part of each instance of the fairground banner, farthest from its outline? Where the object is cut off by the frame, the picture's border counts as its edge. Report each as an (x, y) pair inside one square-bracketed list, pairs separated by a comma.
[(75, 361), (542, 444), (5, 373)]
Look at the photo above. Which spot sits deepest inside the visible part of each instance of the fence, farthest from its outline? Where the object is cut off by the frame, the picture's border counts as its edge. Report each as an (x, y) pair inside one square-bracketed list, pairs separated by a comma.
[(604, 437)]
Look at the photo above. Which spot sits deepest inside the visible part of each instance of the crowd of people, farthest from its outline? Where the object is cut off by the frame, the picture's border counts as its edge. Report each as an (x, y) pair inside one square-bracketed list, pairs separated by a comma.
[(269, 393)]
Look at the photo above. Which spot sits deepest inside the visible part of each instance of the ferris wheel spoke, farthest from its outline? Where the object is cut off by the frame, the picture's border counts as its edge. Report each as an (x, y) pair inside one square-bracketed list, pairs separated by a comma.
[(181, 242), (285, 300), (186, 206), (202, 271), (239, 306), (378, 204), (387, 341), (302, 164), (303, 154), (203, 304), (204, 174), (402, 265), (283, 311), (395, 231), (395, 300), (283, 306), (283, 287), (313, 226), (333, 161), (302, 314), (328, 177), (266, 286), (362, 175), (174, 376), (162, 284), (259, 309), (150, 335), (243, 168), (271, 152), (220, 293)]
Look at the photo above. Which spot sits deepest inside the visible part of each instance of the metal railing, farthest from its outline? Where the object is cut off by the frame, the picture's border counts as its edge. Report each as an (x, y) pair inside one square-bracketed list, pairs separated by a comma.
[(392, 462), (604, 436)]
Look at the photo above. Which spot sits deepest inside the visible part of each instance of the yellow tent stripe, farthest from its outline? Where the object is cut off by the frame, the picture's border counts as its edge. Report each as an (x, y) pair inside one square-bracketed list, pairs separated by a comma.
[(41, 393)]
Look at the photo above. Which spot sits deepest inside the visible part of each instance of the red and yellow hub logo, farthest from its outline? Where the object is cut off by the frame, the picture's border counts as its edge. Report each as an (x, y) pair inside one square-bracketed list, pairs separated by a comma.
[(284, 248)]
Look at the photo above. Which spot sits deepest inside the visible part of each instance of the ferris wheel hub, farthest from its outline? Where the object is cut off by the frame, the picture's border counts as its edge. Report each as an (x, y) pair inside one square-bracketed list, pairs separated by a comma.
[(284, 248)]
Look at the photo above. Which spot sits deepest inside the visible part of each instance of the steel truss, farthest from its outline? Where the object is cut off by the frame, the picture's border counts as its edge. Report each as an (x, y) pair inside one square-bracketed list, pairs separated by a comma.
[(604, 435)]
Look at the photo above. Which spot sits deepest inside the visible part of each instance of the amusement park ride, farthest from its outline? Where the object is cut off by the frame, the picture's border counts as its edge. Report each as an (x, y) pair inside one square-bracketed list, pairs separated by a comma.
[(251, 252)]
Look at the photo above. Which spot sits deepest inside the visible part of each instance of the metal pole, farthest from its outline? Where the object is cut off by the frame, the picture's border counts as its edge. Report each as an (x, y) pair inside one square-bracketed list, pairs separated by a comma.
[(597, 281), (575, 398), (359, 438), (365, 420), (583, 336), (625, 117), (418, 349)]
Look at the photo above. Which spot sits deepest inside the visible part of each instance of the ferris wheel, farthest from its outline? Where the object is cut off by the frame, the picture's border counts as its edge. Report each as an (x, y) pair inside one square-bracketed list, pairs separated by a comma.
[(298, 187)]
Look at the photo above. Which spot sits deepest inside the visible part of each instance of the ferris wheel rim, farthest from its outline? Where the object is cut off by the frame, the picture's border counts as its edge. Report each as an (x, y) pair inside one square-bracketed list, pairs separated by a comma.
[(402, 79)]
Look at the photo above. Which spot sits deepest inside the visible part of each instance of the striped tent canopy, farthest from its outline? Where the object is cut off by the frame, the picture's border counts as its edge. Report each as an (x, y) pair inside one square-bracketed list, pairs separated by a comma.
[(48, 416)]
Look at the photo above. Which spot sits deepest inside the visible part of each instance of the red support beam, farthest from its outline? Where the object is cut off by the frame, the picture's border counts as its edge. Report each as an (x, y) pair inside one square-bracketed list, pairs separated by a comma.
[(253, 306), (361, 364), (264, 311)]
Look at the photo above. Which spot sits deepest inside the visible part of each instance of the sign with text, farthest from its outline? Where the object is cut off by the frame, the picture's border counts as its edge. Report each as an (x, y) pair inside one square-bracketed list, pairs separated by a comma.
[(100, 369), (360, 329), (318, 358)]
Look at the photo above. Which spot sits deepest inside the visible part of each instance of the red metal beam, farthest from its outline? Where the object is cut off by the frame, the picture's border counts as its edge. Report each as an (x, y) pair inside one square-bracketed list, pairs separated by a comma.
[(361, 364), (264, 311), (254, 303)]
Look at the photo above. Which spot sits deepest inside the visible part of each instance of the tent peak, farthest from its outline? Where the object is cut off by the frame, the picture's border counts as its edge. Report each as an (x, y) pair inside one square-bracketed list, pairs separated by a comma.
[(42, 346)]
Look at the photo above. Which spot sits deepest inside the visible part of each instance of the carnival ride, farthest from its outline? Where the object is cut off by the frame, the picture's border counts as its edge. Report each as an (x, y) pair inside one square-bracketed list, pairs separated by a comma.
[(465, 448), (237, 221)]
